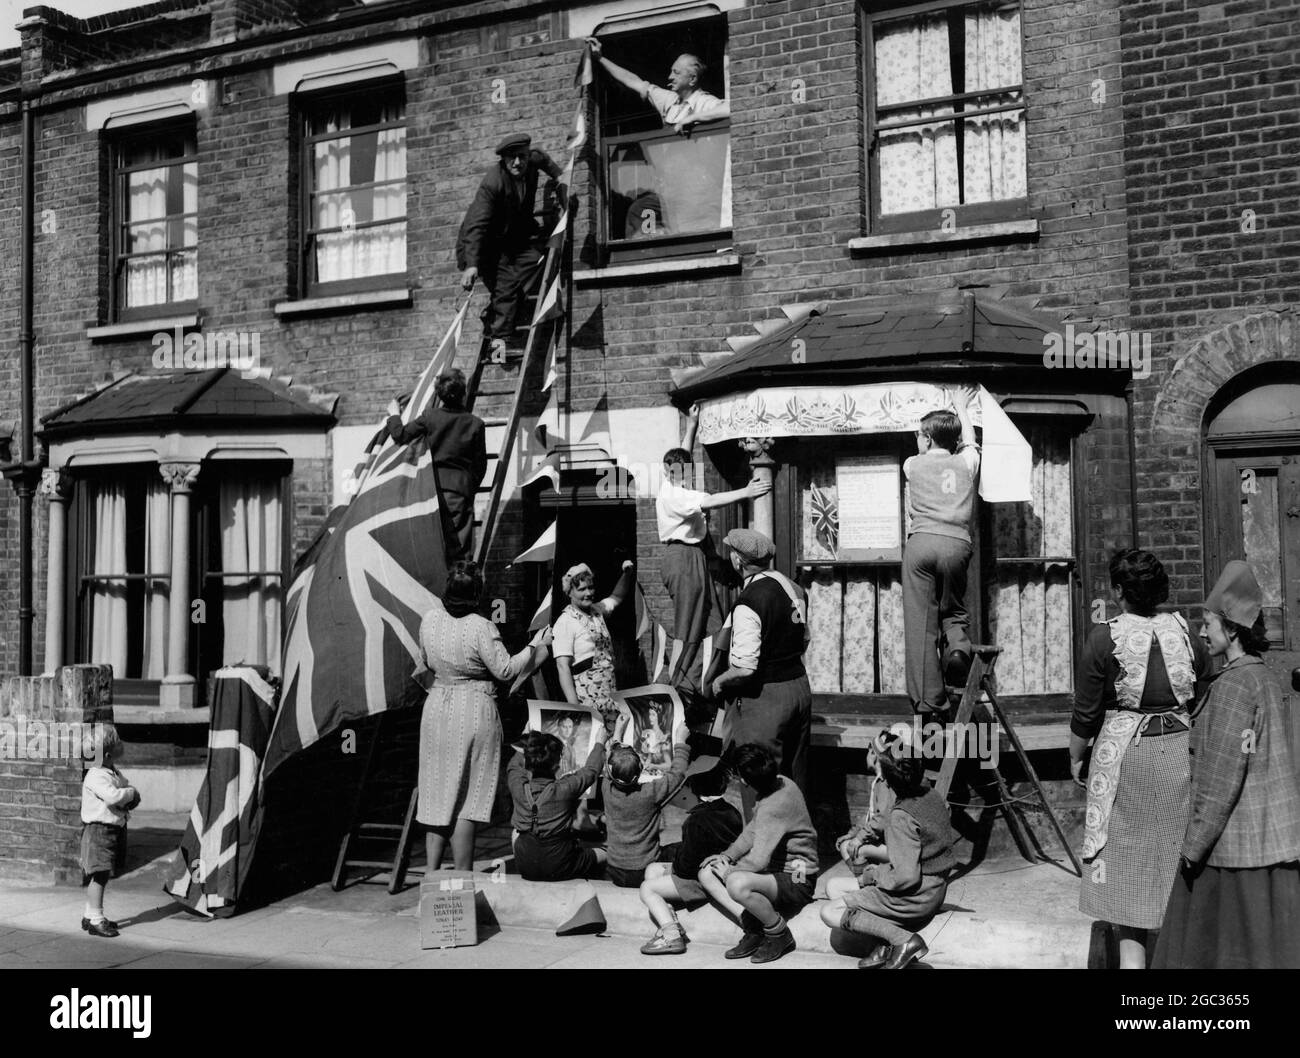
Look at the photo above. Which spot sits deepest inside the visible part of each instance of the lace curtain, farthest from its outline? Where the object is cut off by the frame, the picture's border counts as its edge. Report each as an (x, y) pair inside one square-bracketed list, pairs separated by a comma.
[(1029, 606), (993, 165), (918, 166), (340, 164), (855, 616)]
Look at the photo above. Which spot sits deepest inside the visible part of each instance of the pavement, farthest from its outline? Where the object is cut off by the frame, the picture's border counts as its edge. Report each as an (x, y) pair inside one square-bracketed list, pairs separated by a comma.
[(1004, 913)]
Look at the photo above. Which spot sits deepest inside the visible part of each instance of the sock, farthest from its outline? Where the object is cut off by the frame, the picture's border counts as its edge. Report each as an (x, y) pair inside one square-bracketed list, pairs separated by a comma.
[(95, 915), (777, 927)]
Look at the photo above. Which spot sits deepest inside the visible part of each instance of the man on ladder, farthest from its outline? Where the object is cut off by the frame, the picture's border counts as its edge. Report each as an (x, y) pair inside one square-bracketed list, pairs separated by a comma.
[(497, 236)]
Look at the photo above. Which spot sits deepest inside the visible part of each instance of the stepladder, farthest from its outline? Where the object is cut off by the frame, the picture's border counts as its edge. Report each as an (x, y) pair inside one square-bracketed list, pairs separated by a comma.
[(979, 705)]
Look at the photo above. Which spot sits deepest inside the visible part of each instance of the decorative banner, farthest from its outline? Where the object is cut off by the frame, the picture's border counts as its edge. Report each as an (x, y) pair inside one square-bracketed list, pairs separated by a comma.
[(542, 549), (541, 654), (879, 407)]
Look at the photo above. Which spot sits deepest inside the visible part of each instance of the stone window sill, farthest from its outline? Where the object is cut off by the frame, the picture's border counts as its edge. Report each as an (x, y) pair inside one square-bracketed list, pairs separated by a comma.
[(673, 266), (362, 299), (135, 328), (1003, 229)]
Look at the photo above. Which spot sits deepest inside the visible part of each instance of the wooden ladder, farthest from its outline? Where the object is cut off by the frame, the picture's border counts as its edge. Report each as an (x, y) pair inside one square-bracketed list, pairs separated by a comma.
[(972, 708), (363, 829)]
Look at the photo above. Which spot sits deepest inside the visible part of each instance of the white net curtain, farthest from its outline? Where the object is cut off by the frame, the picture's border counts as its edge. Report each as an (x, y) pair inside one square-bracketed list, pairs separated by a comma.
[(919, 165), (251, 542), (343, 167), (162, 215)]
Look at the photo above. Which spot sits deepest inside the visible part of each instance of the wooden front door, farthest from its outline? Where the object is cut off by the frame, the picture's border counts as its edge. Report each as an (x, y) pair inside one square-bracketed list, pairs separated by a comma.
[(1256, 516)]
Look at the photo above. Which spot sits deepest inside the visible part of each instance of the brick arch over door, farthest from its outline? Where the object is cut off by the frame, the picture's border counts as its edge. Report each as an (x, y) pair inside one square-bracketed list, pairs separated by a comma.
[(1211, 361)]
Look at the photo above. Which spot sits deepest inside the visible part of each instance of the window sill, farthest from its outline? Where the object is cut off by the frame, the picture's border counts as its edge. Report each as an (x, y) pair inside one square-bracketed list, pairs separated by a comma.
[(135, 328), (1003, 229), (153, 715), (719, 262), (362, 299)]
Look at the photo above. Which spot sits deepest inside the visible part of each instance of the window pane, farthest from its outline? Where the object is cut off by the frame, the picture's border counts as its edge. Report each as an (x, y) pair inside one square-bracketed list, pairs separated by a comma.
[(1262, 542), (1029, 605), (145, 281), (670, 185)]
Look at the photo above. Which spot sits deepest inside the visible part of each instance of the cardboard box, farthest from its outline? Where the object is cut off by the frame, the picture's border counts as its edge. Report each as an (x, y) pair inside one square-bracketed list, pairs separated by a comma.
[(447, 918)]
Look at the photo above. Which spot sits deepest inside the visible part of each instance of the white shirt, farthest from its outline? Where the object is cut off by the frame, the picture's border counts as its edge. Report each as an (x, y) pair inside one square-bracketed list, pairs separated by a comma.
[(674, 110), (680, 514), (102, 790)]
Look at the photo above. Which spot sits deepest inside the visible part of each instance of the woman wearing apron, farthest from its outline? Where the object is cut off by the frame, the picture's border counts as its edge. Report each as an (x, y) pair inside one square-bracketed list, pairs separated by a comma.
[(1137, 679)]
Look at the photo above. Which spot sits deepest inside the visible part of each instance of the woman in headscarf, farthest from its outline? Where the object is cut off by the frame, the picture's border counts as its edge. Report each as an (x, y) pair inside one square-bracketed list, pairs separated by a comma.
[(460, 730), (1137, 679), (583, 649), (1236, 901)]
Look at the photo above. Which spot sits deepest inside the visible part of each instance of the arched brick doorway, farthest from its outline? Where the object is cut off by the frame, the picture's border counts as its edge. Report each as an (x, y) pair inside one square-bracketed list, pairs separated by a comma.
[(1235, 394)]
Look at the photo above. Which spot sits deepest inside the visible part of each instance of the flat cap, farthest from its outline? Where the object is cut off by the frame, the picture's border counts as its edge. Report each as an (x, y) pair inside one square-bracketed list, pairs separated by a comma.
[(515, 139), (750, 544)]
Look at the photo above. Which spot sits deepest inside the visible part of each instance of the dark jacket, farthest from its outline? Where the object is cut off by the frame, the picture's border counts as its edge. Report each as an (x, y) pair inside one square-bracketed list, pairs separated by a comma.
[(457, 442), (499, 220)]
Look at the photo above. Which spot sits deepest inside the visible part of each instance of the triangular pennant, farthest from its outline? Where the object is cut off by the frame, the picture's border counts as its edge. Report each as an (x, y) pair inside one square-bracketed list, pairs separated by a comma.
[(556, 239), (660, 649), (546, 469), (552, 305), (536, 661), (585, 73), (643, 621), (543, 615), (542, 549)]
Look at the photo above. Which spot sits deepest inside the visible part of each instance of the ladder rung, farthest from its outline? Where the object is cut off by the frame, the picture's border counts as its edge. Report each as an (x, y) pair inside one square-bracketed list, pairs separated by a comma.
[(378, 826), (388, 864)]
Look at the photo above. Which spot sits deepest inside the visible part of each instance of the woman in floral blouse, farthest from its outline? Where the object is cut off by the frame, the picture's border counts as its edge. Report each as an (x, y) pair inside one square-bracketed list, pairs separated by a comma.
[(584, 652)]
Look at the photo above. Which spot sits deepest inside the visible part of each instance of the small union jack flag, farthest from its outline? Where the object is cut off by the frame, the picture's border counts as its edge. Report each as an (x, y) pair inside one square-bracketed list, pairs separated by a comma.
[(826, 517)]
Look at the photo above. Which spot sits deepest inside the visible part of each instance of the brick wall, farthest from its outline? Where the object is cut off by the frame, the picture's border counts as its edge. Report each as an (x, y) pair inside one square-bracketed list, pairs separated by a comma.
[(40, 780), (1212, 121)]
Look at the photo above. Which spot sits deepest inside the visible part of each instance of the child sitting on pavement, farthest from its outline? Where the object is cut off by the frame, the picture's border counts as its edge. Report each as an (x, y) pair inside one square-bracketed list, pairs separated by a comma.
[(632, 808), (710, 827), (892, 901), (106, 803), (865, 843), (770, 869), (546, 849)]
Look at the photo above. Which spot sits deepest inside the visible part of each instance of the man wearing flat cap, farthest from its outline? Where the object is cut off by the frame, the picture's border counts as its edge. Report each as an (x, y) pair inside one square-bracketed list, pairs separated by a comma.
[(765, 685), (496, 238)]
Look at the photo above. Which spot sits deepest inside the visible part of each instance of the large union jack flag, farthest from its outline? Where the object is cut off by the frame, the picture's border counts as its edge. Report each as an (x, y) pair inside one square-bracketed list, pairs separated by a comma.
[(351, 646)]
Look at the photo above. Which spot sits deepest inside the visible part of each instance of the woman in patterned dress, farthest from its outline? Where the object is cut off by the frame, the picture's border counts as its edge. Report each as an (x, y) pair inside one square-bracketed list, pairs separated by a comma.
[(460, 731), (1137, 679), (584, 652)]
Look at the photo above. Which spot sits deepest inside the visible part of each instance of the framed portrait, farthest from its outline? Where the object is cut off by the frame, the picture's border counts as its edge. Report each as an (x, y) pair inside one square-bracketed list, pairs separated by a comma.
[(573, 725), (653, 714)]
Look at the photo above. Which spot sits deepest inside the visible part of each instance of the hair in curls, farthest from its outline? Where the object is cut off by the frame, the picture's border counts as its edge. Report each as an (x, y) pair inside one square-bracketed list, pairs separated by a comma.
[(451, 389), (542, 753), (1140, 578), (904, 775), (464, 588), (1253, 639)]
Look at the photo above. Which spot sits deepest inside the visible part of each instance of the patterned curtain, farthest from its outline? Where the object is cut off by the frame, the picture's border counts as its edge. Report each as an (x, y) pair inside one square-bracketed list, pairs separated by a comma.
[(855, 616), (1029, 605), (918, 165), (153, 194), (993, 165)]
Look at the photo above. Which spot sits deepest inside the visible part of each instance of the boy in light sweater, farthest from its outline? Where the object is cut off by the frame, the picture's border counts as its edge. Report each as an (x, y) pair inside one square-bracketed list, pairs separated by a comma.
[(941, 483), (632, 809), (106, 803), (770, 869)]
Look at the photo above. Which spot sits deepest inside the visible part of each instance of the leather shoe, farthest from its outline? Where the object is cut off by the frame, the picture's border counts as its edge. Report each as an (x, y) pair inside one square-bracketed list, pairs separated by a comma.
[(85, 924), (878, 957), (903, 954), (773, 946), (101, 929), (956, 667)]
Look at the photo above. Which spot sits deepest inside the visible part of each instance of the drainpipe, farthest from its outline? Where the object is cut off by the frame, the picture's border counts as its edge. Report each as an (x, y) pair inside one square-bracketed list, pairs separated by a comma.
[(1132, 466), (25, 473)]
